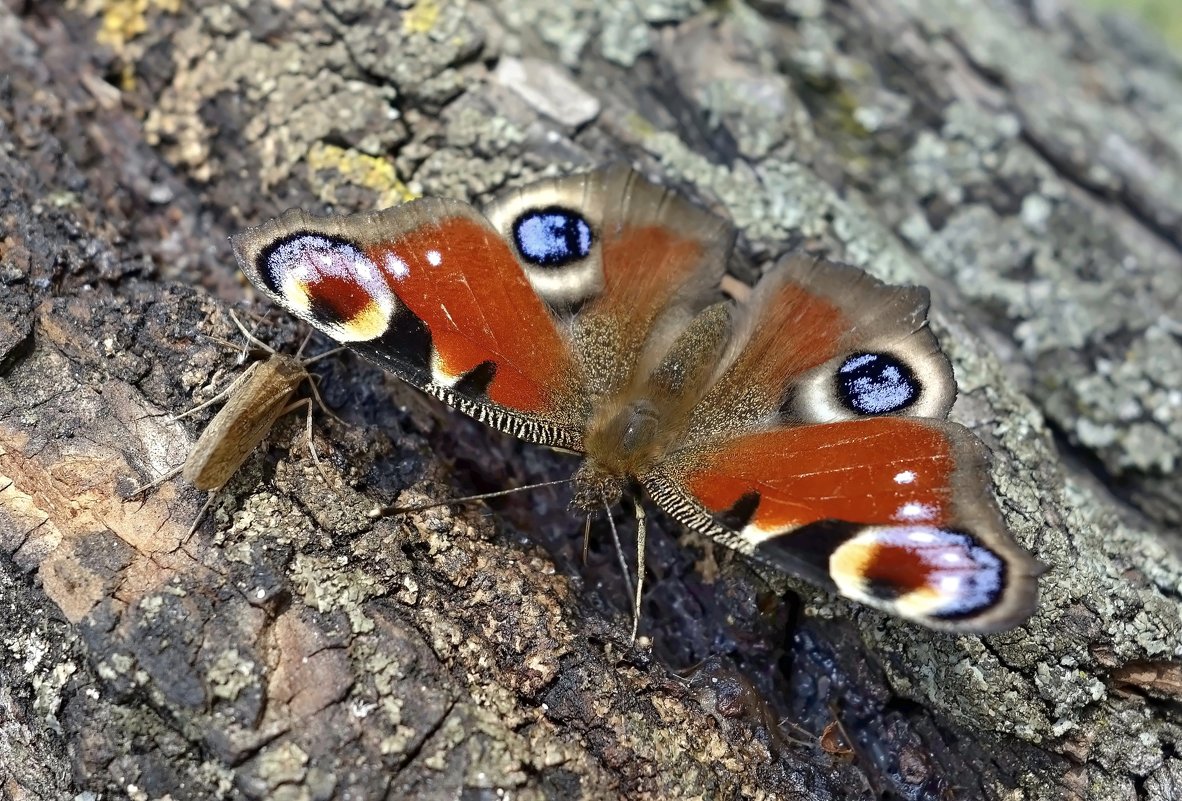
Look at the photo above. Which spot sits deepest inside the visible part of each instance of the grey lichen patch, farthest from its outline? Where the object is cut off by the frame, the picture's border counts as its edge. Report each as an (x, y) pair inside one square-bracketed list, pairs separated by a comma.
[(1088, 300), (1079, 116), (728, 65), (567, 27), (230, 674), (619, 32), (780, 201), (280, 764), (624, 36), (302, 90), (1131, 404), (418, 51), (481, 149), (328, 585)]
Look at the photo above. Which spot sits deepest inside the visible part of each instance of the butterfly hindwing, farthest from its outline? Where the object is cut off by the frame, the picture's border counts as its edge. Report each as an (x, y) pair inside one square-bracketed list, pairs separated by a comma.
[(430, 291), (895, 512)]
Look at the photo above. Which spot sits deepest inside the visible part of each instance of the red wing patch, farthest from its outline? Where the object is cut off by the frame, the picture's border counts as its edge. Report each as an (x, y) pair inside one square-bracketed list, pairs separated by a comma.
[(461, 280), (431, 291), (894, 512)]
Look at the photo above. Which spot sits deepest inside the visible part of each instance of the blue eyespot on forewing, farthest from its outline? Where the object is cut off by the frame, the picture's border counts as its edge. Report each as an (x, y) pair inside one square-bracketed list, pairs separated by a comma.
[(552, 236), (876, 383)]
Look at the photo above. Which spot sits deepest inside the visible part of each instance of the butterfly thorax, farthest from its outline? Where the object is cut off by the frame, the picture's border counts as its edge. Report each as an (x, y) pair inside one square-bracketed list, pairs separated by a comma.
[(622, 442)]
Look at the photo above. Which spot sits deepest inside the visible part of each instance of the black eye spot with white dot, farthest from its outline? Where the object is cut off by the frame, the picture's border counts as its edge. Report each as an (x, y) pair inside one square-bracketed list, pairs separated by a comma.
[(876, 383), (552, 236)]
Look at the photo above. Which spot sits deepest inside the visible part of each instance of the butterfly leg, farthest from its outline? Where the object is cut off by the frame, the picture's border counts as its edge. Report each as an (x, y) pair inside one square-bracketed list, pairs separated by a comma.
[(586, 537), (611, 521), (641, 535)]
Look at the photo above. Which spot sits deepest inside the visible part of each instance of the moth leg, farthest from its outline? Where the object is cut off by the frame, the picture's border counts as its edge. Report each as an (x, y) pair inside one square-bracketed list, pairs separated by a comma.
[(307, 402), (312, 381), (152, 484), (201, 514)]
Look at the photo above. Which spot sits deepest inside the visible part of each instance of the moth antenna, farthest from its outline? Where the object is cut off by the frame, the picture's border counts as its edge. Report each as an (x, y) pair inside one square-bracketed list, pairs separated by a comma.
[(141, 489), (320, 356), (623, 567), (383, 511), (225, 343), (229, 390)]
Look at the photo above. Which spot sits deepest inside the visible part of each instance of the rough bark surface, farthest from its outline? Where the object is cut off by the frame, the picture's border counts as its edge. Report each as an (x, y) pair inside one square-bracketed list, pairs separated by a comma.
[(1020, 158)]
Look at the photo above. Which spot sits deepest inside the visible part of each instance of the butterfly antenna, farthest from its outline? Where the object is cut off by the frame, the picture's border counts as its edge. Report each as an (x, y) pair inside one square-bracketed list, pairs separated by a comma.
[(623, 567), (383, 511), (586, 537)]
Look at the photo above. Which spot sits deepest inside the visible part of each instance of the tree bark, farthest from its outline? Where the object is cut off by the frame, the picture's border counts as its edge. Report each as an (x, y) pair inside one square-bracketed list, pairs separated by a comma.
[(1021, 159)]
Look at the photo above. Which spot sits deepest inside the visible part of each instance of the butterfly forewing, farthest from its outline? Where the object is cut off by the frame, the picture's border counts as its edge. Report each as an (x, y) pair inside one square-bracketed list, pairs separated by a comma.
[(630, 262), (430, 291)]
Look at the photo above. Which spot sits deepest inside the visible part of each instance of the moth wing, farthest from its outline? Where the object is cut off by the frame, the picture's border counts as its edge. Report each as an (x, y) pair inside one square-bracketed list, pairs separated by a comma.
[(628, 261), (433, 293), (243, 422), (894, 512)]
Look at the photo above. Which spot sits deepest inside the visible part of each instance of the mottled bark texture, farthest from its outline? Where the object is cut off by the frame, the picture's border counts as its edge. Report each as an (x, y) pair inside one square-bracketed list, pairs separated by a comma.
[(1022, 159)]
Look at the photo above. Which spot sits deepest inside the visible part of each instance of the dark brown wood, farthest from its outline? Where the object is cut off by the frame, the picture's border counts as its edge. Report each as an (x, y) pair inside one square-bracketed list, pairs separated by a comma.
[(1020, 159)]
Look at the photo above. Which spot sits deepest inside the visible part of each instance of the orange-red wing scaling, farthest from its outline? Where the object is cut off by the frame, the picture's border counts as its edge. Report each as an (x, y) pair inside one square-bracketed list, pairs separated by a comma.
[(894, 512), (462, 281), (875, 470), (432, 292)]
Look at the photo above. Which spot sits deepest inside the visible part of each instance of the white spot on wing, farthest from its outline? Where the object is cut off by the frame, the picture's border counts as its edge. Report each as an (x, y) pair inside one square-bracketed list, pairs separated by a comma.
[(905, 477), (913, 510), (434, 258), (396, 267)]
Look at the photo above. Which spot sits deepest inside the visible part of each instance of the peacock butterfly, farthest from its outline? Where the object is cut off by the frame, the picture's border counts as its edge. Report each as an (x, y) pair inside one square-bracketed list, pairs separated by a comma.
[(804, 427)]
